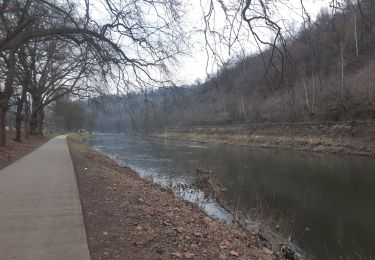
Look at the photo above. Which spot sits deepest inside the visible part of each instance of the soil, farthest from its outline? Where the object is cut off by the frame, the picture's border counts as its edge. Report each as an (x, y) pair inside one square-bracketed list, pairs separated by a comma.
[(14, 150), (128, 217)]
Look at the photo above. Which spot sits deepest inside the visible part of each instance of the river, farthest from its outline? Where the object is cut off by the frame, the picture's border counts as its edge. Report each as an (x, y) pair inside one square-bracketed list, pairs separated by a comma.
[(326, 203)]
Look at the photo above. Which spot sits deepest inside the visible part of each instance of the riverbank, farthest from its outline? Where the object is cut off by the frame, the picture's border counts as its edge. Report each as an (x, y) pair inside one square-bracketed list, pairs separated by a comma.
[(15, 150), (351, 138), (128, 217)]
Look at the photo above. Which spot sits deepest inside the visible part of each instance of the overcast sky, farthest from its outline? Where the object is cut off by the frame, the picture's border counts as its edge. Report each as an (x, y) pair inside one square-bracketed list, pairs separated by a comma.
[(193, 66)]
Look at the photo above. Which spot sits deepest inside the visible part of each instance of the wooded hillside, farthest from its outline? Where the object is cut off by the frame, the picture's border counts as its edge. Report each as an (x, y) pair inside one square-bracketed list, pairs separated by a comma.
[(324, 73)]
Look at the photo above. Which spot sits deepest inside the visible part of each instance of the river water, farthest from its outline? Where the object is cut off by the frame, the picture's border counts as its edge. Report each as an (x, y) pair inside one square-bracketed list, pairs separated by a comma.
[(326, 201)]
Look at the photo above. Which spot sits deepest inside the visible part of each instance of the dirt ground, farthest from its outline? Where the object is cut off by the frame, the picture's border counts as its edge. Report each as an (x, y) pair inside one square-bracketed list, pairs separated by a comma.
[(127, 217), (14, 150)]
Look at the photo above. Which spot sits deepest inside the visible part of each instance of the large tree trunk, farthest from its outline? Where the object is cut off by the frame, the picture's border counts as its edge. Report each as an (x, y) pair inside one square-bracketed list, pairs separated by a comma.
[(34, 116), (26, 118), (40, 122), (2, 127), (6, 94), (19, 115), (18, 121), (33, 124)]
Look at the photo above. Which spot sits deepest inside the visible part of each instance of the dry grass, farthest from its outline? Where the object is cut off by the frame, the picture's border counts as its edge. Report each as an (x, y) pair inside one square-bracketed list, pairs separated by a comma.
[(314, 143)]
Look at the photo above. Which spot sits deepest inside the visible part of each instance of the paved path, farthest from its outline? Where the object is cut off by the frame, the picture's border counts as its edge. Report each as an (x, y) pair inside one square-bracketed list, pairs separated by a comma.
[(40, 211)]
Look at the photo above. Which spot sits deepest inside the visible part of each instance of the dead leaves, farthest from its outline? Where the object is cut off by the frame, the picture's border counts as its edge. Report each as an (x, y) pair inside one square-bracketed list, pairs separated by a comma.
[(177, 254), (267, 251), (224, 244), (186, 255), (197, 234), (180, 230), (145, 229), (139, 228), (234, 253)]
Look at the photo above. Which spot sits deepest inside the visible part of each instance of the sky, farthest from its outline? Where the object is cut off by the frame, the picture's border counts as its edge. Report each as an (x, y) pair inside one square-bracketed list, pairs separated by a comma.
[(194, 67)]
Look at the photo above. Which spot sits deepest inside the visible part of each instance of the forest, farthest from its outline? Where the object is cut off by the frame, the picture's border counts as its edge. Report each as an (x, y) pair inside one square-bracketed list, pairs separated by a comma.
[(66, 67), (187, 129), (323, 74)]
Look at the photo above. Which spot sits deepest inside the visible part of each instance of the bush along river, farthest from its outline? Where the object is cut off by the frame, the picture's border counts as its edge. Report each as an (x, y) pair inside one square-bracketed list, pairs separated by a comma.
[(322, 203)]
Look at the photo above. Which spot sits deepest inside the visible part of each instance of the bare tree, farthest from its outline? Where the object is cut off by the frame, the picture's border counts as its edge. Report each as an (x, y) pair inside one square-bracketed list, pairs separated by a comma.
[(136, 44), (6, 92)]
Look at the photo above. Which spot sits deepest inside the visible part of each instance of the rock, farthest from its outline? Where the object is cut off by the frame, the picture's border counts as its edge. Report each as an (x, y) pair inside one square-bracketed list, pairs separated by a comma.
[(105, 233)]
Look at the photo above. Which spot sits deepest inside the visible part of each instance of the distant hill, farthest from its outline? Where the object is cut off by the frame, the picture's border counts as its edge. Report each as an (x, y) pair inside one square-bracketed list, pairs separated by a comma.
[(328, 74)]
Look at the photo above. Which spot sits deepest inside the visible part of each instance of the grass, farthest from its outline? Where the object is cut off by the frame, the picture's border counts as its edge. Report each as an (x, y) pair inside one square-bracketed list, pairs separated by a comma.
[(77, 136), (51, 135)]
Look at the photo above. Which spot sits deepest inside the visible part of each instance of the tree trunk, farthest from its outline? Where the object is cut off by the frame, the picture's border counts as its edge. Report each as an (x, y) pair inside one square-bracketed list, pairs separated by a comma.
[(19, 115), (6, 94), (18, 122), (40, 122), (342, 72), (34, 116), (33, 124), (304, 84), (2, 127), (355, 31), (26, 118)]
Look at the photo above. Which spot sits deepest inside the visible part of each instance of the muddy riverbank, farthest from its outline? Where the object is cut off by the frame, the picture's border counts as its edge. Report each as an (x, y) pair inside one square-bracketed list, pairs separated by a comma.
[(350, 138)]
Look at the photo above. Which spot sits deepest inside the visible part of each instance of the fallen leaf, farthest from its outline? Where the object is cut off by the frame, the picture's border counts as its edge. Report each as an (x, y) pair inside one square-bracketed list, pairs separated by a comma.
[(224, 244), (267, 251), (160, 251), (180, 229), (140, 244), (166, 223), (189, 255), (177, 254), (139, 227), (197, 234), (234, 253)]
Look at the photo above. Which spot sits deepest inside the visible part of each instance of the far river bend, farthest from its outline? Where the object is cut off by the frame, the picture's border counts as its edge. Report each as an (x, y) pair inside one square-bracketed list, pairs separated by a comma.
[(331, 199)]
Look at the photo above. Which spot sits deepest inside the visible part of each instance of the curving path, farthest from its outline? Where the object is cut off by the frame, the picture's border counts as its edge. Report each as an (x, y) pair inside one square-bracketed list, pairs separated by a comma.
[(40, 211)]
